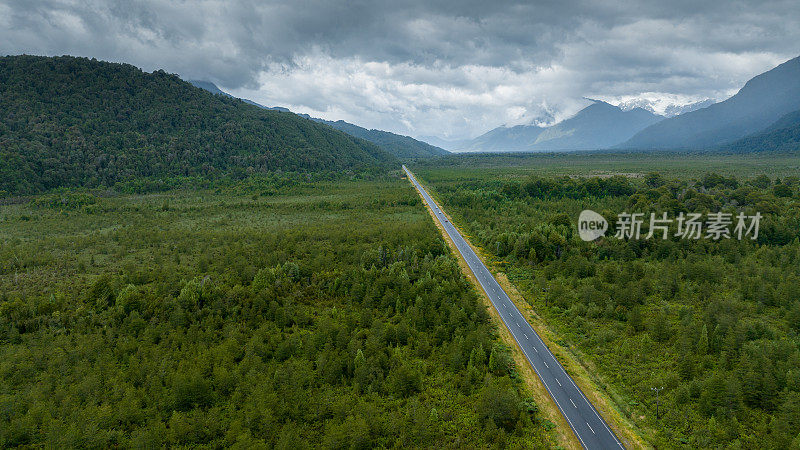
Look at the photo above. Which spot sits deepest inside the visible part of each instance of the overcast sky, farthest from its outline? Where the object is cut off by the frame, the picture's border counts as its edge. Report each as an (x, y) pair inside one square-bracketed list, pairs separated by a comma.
[(454, 69)]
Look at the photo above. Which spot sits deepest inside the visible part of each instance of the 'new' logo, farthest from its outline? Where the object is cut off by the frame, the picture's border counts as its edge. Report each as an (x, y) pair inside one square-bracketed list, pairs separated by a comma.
[(591, 225)]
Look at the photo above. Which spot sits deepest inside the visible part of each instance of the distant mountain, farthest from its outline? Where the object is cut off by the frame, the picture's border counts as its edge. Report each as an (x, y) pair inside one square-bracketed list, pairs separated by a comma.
[(763, 100), (598, 126), (519, 138), (69, 121), (210, 87), (782, 136), (396, 144)]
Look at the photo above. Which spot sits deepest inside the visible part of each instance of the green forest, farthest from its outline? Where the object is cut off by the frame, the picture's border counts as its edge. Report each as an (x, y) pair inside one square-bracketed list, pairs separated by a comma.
[(67, 122), (185, 269), (716, 323), (269, 312)]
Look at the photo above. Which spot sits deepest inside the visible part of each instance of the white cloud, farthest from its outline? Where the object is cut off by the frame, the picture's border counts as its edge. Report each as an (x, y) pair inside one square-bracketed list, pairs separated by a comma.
[(408, 98)]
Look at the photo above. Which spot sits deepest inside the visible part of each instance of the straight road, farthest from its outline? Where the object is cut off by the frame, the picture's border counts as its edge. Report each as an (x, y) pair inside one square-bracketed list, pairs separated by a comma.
[(589, 427)]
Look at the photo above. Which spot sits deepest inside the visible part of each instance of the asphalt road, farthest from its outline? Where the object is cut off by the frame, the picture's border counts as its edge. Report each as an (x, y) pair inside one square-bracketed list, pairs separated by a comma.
[(591, 430)]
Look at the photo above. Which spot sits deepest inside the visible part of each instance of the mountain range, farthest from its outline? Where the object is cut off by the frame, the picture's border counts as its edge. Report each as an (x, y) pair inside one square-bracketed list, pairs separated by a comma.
[(67, 121), (599, 125), (760, 117), (761, 102), (398, 145)]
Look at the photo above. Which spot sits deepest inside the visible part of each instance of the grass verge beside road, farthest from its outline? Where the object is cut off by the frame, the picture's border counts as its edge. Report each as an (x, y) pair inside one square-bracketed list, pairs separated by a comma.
[(601, 397)]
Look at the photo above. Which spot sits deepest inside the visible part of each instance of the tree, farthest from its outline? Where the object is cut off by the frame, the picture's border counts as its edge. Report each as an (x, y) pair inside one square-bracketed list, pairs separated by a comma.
[(500, 403), (654, 180), (500, 362), (636, 319), (405, 380), (702, 343), (660, 329), (782, 190)]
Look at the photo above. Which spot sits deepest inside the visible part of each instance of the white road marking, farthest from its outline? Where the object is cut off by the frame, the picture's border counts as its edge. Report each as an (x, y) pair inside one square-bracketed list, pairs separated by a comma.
[(554, 399), (559, 383), (545, 364), (526, 337), (573, 404), (590, 427), (594, 410), (534, 349)]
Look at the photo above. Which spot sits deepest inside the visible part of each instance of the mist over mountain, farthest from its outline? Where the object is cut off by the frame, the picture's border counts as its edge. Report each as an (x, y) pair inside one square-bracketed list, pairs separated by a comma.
[(519, 138), (448, 144), (598, 126), (676, 110), (396, 144), (762, 101)]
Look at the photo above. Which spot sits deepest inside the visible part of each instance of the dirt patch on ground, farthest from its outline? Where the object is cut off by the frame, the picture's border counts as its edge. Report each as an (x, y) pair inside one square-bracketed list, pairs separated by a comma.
[(606, 174)]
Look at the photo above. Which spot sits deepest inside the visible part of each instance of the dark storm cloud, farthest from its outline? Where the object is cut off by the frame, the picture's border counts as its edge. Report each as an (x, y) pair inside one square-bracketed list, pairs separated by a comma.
[(193, 35), (413, 66)]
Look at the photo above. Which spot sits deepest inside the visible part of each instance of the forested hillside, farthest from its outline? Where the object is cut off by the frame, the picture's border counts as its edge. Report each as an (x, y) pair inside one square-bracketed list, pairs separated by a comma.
[(782, 136), (69, 121), (715, 323), (271, 313)]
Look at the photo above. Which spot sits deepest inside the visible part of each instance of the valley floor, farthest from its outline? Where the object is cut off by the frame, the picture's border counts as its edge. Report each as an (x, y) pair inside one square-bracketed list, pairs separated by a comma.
[(260, 313)]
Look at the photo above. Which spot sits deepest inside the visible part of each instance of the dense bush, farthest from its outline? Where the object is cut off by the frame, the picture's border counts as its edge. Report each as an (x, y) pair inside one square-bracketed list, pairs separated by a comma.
[(333, 316)]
